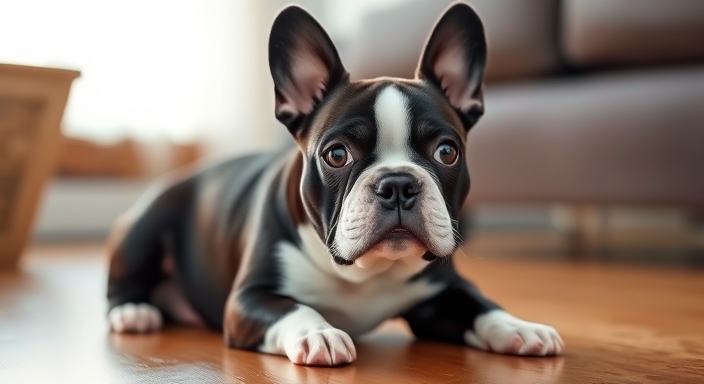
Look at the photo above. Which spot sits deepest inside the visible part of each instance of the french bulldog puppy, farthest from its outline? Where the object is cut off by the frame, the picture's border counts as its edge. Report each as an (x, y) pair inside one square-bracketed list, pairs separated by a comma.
[(297, 252)]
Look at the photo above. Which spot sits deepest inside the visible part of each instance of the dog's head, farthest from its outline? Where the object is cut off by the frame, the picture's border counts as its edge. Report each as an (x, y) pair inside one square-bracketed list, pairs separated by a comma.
[(384, 173)]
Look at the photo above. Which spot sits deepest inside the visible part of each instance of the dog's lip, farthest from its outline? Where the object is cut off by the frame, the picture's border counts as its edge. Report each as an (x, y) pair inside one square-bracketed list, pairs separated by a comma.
[(395, 234), (399, 233)]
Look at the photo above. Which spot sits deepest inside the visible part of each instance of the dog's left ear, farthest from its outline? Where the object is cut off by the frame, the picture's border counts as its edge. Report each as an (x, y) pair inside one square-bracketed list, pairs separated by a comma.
[(453, 60), (304, 64)]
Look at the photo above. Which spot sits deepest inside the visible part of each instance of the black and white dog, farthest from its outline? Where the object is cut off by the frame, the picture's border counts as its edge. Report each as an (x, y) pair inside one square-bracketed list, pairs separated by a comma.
[(299, 251)]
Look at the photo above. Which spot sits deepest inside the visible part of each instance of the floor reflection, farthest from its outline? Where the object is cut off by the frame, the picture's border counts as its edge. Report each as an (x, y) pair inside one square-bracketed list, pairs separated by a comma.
[(515, 369), (181, 353)]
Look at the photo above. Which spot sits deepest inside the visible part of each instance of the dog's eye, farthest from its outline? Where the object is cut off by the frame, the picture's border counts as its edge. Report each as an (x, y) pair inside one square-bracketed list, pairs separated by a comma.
[(337, 157), (446, 154)]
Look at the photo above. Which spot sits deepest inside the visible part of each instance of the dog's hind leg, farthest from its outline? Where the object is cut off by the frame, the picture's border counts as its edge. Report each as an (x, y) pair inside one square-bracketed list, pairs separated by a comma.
[(136, 250)]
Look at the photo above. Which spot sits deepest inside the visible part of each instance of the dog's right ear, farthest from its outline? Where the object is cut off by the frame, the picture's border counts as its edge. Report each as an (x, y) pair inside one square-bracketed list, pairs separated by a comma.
[(304, 64)]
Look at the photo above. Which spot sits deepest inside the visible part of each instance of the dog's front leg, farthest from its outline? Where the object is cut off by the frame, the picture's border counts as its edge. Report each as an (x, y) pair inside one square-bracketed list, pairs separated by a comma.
[(461, 314), (275, 324)]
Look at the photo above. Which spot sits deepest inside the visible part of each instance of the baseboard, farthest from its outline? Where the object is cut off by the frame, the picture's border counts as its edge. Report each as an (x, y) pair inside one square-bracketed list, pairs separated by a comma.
[(83, 208)]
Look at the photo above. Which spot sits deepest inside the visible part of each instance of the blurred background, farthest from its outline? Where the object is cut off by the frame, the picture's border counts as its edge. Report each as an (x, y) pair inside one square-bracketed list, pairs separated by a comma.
[(592, 144)]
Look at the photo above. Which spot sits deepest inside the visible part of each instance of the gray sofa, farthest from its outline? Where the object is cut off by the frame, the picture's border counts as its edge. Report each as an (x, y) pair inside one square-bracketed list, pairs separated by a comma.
[(587, 101)]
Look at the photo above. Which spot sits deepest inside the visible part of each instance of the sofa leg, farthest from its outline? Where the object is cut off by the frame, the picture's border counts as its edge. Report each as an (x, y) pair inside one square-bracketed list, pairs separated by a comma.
[(584, 227), (696, 244)]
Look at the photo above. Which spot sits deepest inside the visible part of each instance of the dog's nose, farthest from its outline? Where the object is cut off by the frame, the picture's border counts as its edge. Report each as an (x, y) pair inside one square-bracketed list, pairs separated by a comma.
[(398, 191)]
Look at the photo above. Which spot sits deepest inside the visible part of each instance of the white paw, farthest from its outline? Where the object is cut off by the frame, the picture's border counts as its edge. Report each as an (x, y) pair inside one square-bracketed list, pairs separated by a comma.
[(327, 347), (307, 339), (498, 331), (132, 317)]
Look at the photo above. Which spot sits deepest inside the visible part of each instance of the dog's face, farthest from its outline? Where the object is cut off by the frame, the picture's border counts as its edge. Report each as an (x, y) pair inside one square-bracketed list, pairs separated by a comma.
[(384, 175)]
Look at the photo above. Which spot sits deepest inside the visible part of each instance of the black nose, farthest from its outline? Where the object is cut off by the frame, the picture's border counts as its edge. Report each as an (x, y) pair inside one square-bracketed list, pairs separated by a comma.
[(397, 191)]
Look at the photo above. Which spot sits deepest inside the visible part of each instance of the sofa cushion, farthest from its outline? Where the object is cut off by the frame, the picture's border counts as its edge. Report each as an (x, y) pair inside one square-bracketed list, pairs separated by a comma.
[(632, 32), (632, 137), (520, 35)]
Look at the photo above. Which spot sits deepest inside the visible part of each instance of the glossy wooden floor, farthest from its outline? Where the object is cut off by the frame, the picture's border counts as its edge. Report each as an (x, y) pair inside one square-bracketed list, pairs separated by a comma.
[(620, 324)]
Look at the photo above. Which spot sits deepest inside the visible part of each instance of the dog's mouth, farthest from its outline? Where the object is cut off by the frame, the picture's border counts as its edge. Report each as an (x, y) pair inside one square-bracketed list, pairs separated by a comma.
[(396, 239), (391, 245), (399, 233)]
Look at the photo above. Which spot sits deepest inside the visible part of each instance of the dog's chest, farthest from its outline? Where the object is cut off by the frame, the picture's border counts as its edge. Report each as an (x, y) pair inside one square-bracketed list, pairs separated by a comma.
[(353, 307)]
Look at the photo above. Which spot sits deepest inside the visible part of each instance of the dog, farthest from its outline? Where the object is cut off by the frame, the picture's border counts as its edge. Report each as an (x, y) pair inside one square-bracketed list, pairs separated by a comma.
[(296, 252)]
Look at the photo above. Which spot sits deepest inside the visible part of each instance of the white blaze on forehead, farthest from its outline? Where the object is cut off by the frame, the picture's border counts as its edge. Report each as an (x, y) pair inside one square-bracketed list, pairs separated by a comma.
[(393, 123)]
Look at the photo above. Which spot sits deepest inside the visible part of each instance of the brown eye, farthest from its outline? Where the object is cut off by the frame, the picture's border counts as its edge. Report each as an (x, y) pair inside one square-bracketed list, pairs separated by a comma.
[(446, 154), (337, 157)]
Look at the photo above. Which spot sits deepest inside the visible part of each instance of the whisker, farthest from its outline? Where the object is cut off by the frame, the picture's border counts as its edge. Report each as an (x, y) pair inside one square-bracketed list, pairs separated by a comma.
[(463, 244), (474, 253), (463, 254), (332, 230)]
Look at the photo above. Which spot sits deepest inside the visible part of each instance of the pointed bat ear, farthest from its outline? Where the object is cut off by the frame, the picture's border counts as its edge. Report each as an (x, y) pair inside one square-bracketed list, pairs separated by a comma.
[(304, 64), (453, 60)]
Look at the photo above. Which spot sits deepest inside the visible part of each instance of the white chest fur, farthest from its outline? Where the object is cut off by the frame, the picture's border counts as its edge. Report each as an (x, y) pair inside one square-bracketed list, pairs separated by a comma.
[(310, 277)]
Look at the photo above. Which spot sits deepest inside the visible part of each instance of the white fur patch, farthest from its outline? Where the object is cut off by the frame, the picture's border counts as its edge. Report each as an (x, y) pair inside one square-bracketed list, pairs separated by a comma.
[(132, 317), (306, 338), (312, 278), (499, 331), (393, 123)]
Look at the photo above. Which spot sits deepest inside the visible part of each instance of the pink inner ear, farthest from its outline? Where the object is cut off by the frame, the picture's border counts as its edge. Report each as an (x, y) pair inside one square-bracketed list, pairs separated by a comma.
[(451, 70), (309, 76)]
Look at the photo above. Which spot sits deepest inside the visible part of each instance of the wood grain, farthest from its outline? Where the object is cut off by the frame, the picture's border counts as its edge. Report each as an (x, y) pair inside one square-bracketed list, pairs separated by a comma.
[(620, 324)]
